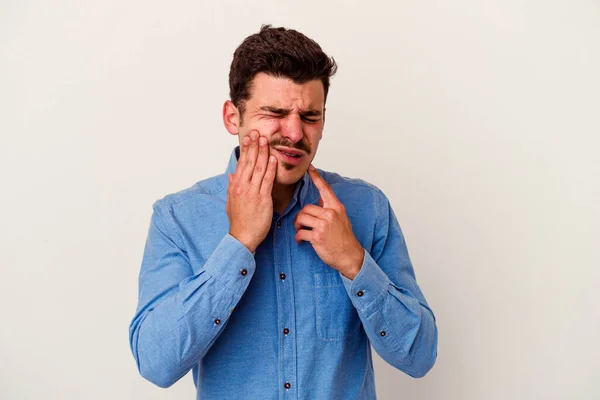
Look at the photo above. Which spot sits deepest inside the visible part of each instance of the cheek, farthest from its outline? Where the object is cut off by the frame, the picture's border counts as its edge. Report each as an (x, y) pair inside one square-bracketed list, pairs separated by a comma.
[(314, 134), (267, 127)]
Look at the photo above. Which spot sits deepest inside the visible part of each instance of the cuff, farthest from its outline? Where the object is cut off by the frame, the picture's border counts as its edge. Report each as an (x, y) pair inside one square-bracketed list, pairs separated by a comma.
[(369, 286), (232, 264)]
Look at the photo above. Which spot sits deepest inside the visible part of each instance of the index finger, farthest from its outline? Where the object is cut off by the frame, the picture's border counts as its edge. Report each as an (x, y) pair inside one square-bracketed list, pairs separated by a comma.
[(246, 142), (247, 159), (330, 200)]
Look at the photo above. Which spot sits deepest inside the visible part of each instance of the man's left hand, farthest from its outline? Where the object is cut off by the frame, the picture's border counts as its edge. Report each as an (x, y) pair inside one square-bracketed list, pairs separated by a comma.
[(331, 235)]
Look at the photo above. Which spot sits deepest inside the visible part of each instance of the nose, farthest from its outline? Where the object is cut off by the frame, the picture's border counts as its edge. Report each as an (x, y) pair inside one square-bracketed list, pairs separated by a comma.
[(292, 128)]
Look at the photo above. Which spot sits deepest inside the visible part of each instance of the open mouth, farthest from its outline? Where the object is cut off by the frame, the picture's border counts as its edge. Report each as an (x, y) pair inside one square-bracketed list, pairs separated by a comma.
[(290, 154), (290, 158)]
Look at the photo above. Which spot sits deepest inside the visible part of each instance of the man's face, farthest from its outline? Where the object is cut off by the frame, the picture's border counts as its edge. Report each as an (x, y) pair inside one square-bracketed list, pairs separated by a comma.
[(290, 116)]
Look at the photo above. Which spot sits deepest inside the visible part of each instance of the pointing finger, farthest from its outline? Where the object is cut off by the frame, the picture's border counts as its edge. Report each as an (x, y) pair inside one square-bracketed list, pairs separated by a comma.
[(330, 200)]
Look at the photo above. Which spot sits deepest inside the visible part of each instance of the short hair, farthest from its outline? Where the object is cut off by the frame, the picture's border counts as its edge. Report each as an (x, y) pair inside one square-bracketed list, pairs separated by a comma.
[(278, 52)]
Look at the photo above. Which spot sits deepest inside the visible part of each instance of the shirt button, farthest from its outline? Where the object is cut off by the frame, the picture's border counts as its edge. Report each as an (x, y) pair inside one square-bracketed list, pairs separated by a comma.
[(286, 331), (282, 276), (278, 223), (287, 385), (217, 321), (359, 294), (244, 272), (382, 333)]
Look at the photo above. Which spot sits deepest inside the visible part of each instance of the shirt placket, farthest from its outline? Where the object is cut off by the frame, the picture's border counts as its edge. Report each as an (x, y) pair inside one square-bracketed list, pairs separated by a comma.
[(285, 311)]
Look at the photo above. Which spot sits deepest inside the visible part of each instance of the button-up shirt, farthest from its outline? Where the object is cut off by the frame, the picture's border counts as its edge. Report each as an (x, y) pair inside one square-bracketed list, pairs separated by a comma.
[(278, 323)]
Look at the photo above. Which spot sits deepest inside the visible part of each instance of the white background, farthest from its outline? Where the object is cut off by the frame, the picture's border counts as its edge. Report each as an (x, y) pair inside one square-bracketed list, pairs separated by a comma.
[(480, 121)]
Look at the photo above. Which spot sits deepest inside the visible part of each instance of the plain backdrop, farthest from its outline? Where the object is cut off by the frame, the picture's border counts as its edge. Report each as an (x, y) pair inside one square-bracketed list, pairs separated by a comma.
[(479, 120)]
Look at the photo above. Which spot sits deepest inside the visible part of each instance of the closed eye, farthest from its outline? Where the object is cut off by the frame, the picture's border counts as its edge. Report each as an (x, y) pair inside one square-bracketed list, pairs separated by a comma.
[(310, 116), (310, 120), (272, 115)]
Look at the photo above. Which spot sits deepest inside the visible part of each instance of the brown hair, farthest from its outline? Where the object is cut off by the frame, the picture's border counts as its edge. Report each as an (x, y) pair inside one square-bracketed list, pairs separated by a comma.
[(279, 52)]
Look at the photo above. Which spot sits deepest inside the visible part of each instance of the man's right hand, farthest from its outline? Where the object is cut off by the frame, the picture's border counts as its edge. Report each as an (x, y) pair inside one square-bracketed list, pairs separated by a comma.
[(249, 201)]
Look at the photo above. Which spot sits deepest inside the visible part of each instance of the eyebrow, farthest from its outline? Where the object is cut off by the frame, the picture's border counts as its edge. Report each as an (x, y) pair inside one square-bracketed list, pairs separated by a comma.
[(283, 111)]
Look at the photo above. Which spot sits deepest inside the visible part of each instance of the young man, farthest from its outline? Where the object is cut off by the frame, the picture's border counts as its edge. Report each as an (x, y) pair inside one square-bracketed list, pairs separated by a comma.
[(272, 280)]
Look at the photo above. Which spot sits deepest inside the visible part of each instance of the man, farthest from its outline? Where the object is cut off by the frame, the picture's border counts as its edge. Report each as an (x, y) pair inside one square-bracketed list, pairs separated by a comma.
[(272, 280)]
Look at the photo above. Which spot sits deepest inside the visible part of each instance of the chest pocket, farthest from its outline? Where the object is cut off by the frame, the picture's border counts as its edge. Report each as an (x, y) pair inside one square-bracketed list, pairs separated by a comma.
[(336, 316)]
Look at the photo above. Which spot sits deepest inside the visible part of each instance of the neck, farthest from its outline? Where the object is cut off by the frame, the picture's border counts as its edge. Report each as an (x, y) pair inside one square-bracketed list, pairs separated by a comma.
[(282, 194)]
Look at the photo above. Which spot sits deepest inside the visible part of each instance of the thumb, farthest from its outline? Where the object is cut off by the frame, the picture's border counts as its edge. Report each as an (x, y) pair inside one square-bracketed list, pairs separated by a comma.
[(320, 202)]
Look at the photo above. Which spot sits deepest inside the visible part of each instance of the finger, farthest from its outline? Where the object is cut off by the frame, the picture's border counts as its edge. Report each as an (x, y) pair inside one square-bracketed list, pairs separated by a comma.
[(261, 164), (315, 211), (242, 159), (266, 187), (330, 200), (304, 235), (306, 221), (250, 159), (244, 146)]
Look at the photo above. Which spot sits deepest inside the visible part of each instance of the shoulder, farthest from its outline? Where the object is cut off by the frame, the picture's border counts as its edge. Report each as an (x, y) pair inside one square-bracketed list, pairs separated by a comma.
[(350, 184), (209, 188), (353, 188)]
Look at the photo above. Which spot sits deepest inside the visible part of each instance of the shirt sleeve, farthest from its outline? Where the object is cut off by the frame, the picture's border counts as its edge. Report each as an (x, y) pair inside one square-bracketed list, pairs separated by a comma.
[(395, 315), (181, 313)]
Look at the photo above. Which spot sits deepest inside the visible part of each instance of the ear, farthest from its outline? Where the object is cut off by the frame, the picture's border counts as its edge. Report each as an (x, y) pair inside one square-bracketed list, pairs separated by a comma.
[(231, 117), (324, 112)]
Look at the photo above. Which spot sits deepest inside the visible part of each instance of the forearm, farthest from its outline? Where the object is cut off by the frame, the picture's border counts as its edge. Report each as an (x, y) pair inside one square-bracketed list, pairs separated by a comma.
[(400, 327), (170, 333)]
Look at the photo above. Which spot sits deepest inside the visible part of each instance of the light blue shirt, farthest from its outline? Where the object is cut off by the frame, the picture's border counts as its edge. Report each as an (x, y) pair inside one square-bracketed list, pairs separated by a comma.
[(279, 323)]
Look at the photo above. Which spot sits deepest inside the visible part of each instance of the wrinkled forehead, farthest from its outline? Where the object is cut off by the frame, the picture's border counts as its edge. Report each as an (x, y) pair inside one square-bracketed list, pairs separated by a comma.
[(284, 93)]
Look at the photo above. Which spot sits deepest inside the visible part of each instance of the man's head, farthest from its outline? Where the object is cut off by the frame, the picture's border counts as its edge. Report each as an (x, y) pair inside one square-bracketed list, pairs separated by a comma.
[(278, 85)]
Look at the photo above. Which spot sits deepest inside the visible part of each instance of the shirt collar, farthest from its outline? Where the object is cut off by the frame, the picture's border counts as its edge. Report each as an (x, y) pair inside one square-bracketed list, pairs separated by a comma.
[(305, 189)]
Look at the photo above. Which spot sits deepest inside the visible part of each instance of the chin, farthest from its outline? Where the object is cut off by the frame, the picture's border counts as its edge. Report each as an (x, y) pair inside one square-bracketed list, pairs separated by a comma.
[(290, 177)]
